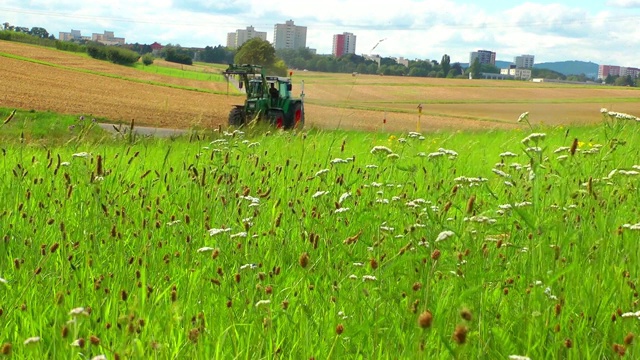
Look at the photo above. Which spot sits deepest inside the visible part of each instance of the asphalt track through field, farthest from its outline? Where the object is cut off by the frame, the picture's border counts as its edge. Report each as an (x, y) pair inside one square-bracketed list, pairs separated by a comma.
[(143, 130)]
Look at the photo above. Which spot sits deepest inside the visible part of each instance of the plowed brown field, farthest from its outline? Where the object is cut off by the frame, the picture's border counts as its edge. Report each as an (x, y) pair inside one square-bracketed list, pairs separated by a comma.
[(74, 84)]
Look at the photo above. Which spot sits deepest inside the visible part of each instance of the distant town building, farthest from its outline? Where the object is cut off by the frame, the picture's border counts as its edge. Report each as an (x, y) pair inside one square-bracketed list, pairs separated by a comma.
[(289, 36), (344, 43), (74, 35), (516, 72), (524, 61), (155, 48), (605, 70), (485, 57), (403, 61), (107, 38), (241, 36)]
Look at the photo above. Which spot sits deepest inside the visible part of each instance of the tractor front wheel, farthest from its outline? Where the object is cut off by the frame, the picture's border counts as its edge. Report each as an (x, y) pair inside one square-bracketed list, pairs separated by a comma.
[(237, 116)]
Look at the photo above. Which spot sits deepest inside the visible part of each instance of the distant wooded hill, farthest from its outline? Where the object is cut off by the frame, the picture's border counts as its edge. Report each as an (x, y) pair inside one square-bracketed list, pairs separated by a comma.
[(574, 67)]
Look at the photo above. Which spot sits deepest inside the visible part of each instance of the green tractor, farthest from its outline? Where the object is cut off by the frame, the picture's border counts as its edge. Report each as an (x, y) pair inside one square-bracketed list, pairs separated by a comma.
[(268, 98)]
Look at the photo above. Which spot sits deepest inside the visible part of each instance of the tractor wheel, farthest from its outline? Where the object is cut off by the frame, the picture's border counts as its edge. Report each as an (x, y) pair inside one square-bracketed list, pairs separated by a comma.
[(236, 116), (295, 120), (276, 118)]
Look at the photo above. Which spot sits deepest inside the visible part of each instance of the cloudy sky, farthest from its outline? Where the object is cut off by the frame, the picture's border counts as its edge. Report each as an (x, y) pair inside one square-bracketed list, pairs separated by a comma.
[(602, 31)]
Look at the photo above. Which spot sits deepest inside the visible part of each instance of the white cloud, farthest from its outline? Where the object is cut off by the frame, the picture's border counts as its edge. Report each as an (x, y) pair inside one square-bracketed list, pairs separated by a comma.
[(412, 28)]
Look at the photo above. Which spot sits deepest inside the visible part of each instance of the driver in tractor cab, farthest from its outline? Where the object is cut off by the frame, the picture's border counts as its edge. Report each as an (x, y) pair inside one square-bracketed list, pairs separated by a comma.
[(274, 94)]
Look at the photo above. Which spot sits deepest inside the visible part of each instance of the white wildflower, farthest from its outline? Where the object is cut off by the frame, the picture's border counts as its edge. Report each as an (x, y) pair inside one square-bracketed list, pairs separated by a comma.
[(341, 210), (381, 149), (518, 357), (78, 311), (524, 116), (561, 149), (4, 281), (343, 197), (523, 204), (321, 172), (505, 206), (32, 340), (213, 232), (629, 172), (414, 134), (338, 161), (435, 154), (632, 227), (451, 153), (242, 234), (508, 154), (353, 277), (533, 149), (83, 154), (65, 163), (386, 228), (604, 110), (359, 264), (369, 278), (375, 184), (562, 157), (509, 183), (382, 201), (248, 266), (175, 222), (205, 249), (421, 138), (99, 357), (77, 342), (253, 200), (402, 140), (631, 314), (263, 302), (393, 156), (534, 137), (501, 173), (319, 193), (421, 154), (253, 144), (444, 235), (371, 166)]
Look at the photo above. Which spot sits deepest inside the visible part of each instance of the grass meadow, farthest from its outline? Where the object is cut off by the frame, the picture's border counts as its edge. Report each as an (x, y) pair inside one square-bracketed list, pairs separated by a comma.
[(260, 244)]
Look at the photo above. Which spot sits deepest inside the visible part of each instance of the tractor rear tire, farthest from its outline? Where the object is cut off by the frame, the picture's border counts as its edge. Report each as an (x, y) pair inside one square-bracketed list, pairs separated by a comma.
[(276, 118), (295, 120), (237, 117)]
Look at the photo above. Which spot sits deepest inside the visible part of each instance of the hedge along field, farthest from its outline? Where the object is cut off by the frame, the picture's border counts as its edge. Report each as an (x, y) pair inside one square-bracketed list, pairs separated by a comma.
[(499, 244)]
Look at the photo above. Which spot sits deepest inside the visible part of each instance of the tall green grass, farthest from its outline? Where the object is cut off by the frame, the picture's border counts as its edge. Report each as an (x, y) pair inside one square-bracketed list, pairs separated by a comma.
[(325, 245)]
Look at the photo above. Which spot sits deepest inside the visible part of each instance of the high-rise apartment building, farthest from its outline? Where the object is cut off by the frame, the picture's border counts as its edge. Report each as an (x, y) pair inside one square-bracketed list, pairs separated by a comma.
[(344, 43), (289, 36), (613, 70), (241, 36), (485, 57), (524, 61)]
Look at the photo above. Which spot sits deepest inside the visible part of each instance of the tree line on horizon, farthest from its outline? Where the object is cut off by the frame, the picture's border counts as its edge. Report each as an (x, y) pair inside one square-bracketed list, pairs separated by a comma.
[(261, 52)]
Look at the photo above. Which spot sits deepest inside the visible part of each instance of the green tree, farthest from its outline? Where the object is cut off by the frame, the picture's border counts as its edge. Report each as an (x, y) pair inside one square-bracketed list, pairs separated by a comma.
[(445, 64), (256, 51), (475, 68), (39, 32)]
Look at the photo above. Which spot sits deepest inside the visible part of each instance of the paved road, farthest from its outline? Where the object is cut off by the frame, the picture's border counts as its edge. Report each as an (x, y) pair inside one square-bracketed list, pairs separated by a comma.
[(144, 130)]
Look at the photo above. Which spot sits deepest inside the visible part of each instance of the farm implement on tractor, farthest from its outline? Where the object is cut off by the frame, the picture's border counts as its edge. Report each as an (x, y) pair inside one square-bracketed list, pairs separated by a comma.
[(267, 98)]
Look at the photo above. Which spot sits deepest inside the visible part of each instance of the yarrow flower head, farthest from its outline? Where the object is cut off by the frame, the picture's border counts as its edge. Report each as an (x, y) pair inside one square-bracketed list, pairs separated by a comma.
[(523, 117), (444, 235), (381, 150)]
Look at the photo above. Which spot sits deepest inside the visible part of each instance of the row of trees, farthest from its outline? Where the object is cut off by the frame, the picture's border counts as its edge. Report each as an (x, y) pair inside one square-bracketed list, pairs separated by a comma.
[(257, 51)]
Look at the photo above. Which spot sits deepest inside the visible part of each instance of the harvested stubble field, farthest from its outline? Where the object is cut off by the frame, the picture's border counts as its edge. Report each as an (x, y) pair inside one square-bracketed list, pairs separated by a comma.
[(46, 79)]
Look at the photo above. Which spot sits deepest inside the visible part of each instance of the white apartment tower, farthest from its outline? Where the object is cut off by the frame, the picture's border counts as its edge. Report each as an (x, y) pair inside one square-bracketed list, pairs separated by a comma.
[(236, 39), (524, 61), (289, 36)]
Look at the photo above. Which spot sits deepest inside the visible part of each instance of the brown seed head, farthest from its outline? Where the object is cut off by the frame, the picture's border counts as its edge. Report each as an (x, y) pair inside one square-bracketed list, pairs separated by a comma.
[(435, 255), (470, 203), (574, 147), (373, 263), (339, 329), (619, 349), (417, 286), (628, 339), (425, 319), (466, 314), (460, 334), (568, 343), (304, 259), (94, 340), (6, 349)]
